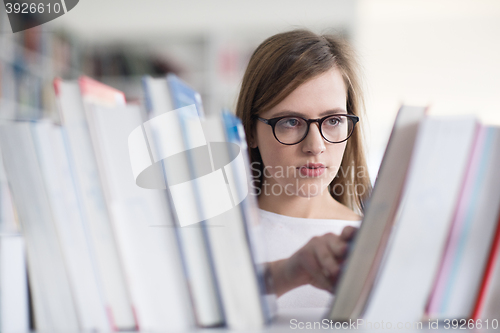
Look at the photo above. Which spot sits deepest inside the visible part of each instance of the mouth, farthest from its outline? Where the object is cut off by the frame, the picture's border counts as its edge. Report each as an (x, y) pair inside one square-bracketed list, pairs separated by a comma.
[(312, 169)]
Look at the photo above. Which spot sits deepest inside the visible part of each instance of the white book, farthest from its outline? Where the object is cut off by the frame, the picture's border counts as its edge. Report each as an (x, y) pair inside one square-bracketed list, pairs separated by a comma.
[(435, 178), (472, 234), (364, 260), (241, 176), (74, 235), (8, 221), (53, 303), (143, 222), (165, 136), (95, 212), (220, 195), (14, 303)]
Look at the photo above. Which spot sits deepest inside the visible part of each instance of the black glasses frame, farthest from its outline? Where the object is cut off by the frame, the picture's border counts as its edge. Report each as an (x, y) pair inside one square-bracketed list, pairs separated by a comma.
[(273, 121)]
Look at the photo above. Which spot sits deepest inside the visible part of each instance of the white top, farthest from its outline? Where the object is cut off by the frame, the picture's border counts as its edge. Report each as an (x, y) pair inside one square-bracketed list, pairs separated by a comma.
[(283, 236)]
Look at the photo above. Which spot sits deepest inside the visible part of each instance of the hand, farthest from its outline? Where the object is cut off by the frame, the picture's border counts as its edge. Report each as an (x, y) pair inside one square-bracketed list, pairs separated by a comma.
[(316, 263)]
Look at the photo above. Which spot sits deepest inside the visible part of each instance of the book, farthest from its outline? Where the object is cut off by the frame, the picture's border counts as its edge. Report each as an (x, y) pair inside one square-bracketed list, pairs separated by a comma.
[(364, 260), (235, 133), (73, 235), (9, 223), (53, 303), (14, 300), (435, 179), (165, 136), (487, 303), (96, 215), (221, 187), (142, 217), (183, 95), (179, 94), (472, 232)]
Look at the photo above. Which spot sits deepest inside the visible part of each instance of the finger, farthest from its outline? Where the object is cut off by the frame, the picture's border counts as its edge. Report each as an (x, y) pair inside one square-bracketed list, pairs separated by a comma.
[(325, 257), (348, 233), (323, 283), (336, 245), (314, 268)]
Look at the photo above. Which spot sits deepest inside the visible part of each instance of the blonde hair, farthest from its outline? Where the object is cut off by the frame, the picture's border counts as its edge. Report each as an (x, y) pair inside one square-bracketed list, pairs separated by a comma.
[(277, 67)]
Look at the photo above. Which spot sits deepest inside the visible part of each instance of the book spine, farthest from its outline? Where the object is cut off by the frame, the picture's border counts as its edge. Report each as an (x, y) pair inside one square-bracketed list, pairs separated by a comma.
[(492, 269)]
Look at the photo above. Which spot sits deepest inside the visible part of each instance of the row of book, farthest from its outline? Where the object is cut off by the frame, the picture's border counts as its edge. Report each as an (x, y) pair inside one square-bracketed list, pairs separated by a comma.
[(120, 61), (141, 219), (30, 59), (135, 219), (28, 62), (429, 245)]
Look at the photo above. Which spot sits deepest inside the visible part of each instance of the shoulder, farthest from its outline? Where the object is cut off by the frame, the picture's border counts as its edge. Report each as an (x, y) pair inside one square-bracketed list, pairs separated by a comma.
[(352, 216), (342, 212)]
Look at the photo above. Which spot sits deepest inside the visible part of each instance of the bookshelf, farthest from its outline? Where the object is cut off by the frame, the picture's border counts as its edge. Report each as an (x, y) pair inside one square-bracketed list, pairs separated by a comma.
[(29, 60), (212, 63)]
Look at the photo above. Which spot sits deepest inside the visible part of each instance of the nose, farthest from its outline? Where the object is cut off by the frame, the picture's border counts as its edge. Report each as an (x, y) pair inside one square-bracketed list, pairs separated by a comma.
[(313, 143)]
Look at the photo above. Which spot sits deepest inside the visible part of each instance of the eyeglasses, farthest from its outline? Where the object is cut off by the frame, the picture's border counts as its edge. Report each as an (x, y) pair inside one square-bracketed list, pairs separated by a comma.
[(291, 130)]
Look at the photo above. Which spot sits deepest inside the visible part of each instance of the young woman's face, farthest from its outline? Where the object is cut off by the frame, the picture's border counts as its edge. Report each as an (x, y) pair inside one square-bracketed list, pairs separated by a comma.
[(287, 168)]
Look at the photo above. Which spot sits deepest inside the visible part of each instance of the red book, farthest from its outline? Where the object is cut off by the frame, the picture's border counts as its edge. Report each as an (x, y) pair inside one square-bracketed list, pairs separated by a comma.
[(491, 282)]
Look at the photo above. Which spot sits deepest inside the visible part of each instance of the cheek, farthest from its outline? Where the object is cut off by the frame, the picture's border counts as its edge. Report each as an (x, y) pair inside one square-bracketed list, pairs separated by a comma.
[(276, 157), (279, 161), (336, 156), (338, 153)]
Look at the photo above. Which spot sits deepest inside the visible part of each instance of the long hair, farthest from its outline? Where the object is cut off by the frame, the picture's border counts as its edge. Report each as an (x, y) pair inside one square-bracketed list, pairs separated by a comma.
[(277, 67)]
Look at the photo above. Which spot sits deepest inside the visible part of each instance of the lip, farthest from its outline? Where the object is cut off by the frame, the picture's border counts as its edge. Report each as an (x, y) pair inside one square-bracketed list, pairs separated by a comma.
[(312, 169)]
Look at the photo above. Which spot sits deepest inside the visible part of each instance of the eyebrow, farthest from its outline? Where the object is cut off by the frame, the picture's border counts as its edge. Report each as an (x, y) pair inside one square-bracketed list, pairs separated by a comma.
[(298, 114)]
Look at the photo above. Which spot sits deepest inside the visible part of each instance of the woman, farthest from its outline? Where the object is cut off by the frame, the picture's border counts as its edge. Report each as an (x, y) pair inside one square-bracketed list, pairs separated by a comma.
[(299, 102)]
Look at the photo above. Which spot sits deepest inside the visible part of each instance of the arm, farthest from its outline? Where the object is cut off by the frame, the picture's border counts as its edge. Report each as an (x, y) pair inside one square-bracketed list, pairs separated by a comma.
[(316, 263)]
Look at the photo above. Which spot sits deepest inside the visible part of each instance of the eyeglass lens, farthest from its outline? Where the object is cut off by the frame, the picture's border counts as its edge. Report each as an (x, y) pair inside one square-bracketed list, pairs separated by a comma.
[(291, 130)]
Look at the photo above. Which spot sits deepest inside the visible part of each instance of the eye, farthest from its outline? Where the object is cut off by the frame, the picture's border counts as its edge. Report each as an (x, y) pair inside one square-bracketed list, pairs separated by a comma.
[(289, 123), (333, 121)]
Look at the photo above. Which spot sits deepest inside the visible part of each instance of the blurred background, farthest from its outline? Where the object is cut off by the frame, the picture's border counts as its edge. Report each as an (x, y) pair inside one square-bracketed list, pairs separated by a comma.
[(442, 53)]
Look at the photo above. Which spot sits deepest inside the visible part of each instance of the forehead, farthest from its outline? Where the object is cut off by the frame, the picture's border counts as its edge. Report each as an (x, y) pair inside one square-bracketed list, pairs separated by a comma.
[(316, 96)]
